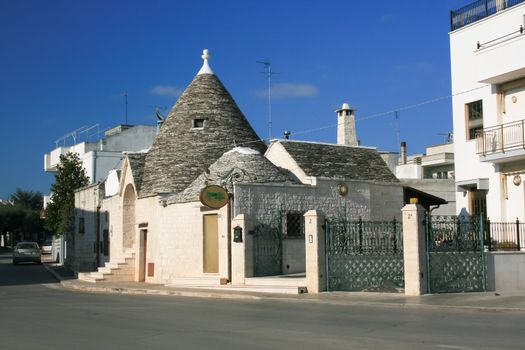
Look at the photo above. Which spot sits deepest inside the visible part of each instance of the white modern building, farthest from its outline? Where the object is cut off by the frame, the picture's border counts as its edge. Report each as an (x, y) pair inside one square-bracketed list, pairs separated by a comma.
[(100, 157), (487, 48), (431, 172), (103, 154)]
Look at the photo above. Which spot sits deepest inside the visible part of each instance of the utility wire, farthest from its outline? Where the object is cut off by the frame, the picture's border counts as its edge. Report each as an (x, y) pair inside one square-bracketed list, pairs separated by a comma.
[(389, 113), (238, 143)]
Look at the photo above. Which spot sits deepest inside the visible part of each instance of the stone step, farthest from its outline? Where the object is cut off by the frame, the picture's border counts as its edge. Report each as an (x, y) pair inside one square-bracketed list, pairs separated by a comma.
[(283, 280), (196, 281), (88, 277), (258, 289)]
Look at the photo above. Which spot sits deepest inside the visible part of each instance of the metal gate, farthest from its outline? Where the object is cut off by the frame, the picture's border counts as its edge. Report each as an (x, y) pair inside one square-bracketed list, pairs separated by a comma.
[(267, 250), (364, 256), (455, 257)]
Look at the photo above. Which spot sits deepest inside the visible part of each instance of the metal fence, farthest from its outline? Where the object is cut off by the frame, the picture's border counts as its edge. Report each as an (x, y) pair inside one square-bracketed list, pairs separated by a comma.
[(364, 255), (478, 10), (455, 257), (504, 235)]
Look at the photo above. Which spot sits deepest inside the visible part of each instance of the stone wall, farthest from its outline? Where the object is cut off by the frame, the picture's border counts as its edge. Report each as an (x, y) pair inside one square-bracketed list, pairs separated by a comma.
[(268, 203), (368, 200), (82, 242)]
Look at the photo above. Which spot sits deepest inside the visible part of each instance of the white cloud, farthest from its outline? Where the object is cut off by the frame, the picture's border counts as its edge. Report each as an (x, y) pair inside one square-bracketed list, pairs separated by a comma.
[(289, 90), (165, 90)]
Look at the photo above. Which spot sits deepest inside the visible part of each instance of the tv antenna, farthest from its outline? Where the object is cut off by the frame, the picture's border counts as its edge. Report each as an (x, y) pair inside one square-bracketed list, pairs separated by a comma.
[(396, 116), (125, 95), (448, 136), (268, 67)]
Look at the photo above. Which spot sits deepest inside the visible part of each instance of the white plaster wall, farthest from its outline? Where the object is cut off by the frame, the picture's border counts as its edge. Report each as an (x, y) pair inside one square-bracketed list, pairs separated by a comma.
[(175, 239), (505, 271), (514, 109), (113, 205), (280, 157), (409, 171)]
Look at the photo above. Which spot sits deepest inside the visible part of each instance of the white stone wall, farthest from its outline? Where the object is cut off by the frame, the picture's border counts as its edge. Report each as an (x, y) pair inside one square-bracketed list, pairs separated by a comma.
[(175, 239), (82, 248), (112, 220)]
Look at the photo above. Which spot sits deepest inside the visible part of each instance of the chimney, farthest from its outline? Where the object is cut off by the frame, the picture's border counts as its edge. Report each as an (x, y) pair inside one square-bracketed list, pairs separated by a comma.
[(403, 152), (346, 134)]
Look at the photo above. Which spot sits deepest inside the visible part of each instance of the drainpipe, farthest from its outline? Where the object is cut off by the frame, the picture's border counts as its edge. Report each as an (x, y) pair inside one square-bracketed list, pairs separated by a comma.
[(97, 222), (432, 209)]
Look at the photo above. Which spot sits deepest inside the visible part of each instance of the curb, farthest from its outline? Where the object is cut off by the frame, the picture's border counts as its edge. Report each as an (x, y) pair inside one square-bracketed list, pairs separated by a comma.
[(52, 272), (304, 298), (145, 291)]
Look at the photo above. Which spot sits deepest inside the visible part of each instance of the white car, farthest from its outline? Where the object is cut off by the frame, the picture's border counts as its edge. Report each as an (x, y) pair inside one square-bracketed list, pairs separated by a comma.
[(27, 252), (47, 246)]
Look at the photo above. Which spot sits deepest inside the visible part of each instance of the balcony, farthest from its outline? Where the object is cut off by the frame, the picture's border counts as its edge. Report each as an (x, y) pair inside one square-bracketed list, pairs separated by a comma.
[(477, 10), (502, 143)]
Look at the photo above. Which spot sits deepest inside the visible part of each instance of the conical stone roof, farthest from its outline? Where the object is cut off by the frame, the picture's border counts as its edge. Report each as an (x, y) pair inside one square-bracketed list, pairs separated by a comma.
[(240, 165), (184, 148)]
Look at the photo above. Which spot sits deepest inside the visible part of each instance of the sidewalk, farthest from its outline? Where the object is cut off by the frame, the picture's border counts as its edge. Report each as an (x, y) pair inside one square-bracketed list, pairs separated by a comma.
[(489, 301)]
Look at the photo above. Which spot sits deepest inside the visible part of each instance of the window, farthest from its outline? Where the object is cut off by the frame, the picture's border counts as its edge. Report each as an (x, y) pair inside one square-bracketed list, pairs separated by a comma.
[(474, 119), (81, 228), (198, 123), (294, 224)]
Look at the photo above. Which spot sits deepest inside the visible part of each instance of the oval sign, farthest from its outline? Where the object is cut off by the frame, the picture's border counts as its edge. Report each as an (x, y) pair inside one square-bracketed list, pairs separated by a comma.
[(214, 196)]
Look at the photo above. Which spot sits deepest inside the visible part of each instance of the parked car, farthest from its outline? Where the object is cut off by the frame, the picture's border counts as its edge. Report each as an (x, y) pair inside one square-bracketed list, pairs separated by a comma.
[(27, 252), (47, 246)]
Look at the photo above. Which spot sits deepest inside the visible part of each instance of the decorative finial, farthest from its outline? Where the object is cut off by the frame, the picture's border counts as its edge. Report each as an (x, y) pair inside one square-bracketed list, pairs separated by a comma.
[(205, 66), (205, 54)]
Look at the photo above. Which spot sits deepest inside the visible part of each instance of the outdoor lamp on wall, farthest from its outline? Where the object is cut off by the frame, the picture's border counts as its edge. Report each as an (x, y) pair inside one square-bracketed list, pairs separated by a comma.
[(237, 234), (342, 188)]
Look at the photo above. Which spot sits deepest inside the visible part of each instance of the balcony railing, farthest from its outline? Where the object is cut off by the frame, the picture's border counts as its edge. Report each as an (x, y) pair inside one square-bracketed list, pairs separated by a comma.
[(478, 10), (501, 138), (504, 235)]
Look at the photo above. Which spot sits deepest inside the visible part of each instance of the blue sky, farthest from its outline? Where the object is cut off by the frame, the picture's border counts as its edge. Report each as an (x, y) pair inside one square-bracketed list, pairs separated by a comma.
[(65, 63)]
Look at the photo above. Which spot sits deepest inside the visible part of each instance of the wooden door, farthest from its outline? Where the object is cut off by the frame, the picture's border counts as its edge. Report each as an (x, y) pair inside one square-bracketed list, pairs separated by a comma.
[(211, 244)]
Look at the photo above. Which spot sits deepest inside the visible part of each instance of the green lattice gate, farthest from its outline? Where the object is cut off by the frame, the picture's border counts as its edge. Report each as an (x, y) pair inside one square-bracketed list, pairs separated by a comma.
[(455, 257), (364, 256), (267, 250)]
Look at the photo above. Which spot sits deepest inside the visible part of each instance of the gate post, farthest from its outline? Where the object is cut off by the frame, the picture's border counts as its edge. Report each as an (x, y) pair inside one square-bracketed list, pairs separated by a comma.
[(242, 252), (315, 251), (414, 249)]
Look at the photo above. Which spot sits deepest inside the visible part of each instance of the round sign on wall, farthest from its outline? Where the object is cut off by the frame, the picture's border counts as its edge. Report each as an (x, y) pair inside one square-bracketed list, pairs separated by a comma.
[(214, 196)]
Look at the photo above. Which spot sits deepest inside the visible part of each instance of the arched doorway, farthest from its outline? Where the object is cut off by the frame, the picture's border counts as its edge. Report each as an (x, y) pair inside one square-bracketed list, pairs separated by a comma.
[(128, 217)]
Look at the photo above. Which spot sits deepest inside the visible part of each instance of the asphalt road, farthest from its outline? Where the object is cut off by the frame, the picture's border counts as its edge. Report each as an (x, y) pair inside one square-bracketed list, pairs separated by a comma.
[(35, 313)]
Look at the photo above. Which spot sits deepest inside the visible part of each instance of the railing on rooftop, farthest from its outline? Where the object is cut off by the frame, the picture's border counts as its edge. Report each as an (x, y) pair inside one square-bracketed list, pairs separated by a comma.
[(501, 138), (478, 10)]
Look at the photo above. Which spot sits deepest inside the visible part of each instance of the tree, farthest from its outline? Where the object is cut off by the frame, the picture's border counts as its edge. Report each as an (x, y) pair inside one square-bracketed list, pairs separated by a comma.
[(21, 214), (70, 176), (27, 199)]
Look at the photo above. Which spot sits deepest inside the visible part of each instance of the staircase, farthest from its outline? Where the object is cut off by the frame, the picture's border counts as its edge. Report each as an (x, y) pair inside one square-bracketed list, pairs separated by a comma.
[(120, 269)]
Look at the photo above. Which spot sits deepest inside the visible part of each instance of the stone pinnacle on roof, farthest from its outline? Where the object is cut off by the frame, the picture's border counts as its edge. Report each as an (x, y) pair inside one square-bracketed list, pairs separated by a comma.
[(205, 69)]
